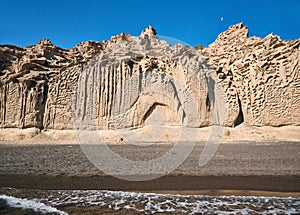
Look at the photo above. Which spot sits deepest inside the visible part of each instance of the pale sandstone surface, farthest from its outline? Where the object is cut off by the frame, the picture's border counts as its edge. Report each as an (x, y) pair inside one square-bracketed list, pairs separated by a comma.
[(260, 77), (242, 133), (135, 82)]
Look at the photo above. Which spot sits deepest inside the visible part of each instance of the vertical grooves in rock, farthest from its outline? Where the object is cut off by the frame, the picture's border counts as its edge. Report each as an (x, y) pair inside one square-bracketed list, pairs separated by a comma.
[(4, 102), (123, 87), (100, 91), (97, 92), (93, 89), (23, 105), (55, 101), (111, 89), (107, 76)]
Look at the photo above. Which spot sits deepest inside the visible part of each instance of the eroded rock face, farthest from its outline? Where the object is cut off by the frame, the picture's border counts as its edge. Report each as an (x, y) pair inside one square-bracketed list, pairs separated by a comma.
[(126, 80), (260, 77), (29, 77), (131, 80)]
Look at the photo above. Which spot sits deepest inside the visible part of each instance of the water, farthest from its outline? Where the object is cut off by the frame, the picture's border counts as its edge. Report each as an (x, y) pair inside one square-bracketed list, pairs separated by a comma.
[(117, 202)]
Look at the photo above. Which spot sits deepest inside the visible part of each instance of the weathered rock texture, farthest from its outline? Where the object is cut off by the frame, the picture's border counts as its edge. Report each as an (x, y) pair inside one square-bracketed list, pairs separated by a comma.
[(37, 83), (131, 80), (122, 82), (260, 77)]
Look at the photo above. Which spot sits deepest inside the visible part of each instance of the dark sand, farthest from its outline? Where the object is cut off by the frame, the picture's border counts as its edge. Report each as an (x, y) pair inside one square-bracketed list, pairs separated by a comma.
[(237, 166), (240, 169), (166, 184)]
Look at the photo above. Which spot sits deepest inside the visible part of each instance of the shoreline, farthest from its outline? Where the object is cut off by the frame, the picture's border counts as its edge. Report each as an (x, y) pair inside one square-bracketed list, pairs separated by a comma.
[(282, 186), (256, 193)]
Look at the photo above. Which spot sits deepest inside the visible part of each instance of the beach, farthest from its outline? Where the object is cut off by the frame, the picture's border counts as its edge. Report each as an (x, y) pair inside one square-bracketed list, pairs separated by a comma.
[(267, 166), (239, 172)]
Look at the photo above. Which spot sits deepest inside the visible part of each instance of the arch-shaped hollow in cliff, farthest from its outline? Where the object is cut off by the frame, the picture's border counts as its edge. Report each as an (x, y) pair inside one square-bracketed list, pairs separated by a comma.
[(127, 93), (152, 103)]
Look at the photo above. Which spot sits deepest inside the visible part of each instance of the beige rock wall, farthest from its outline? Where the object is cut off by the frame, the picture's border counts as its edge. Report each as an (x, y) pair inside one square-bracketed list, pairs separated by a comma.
[(134, 81), (263, 75), (37, 83)]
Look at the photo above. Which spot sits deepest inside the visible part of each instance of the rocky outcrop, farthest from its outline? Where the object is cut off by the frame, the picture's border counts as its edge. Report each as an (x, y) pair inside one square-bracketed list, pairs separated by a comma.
[(131, 80), (126, 81), (29, 77), (260, 77)]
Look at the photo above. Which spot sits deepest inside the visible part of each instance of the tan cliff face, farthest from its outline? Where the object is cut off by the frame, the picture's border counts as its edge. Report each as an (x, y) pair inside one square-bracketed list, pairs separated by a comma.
[(260, 77), (121, 82), (132, 80), (29, 75)]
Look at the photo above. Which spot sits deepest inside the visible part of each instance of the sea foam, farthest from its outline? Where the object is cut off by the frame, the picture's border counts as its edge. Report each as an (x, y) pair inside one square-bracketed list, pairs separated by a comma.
[(151, 203), (30, 204)]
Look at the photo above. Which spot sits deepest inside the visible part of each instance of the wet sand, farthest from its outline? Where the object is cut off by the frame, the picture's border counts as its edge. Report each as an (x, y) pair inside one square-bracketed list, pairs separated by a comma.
[(196, 185)]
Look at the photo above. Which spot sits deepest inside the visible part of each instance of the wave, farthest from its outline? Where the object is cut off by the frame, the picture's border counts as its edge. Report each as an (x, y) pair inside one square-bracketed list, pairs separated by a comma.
[(14, 202), (150, 203)]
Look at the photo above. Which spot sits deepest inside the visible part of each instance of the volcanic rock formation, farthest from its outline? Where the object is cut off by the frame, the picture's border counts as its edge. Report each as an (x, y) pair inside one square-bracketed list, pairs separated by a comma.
[(260, 77), (125, 81)]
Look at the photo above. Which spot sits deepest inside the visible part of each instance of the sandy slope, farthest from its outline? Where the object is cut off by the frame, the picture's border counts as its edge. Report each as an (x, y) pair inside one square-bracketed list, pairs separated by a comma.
[(155, 134)]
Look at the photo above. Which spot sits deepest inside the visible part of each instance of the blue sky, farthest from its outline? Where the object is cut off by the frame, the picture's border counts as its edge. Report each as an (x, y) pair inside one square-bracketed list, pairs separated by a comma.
[(67, 23)]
